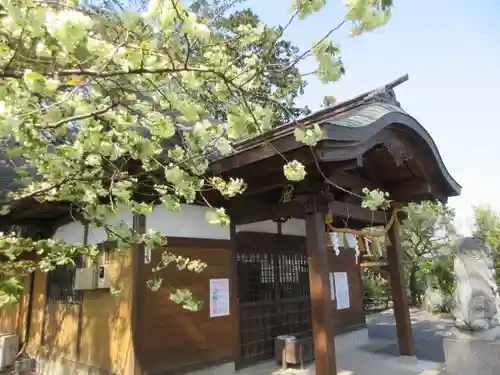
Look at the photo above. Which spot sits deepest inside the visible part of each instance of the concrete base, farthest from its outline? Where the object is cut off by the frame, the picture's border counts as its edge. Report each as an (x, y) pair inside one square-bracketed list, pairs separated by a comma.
[(472, 353), (225, 369), (489, 335), (50, 366), (350, 361), (63, 367)]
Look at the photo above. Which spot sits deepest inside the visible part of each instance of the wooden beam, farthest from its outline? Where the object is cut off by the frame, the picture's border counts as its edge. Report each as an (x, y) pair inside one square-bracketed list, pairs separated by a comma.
[(412, 190), (263, 156), (355, 212), (352, 181), (266, 177), (246, 211), (252, 211), (399, 297), (268, 183), (322, 307)]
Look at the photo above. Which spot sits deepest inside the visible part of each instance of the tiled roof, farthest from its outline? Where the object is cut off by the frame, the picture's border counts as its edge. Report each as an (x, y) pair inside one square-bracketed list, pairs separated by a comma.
[(363, 115), (359, 111)]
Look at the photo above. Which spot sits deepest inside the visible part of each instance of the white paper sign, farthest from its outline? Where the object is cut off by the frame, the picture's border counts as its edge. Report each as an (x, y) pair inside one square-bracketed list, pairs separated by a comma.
[(332, 287), (219, 297), (342, 290), (147, 255)]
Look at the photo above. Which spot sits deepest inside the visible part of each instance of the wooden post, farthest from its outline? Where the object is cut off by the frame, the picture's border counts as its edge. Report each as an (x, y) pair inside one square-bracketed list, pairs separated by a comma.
[(234, 299), (321, 305), (136, 364), (277, 286), (399, 296)]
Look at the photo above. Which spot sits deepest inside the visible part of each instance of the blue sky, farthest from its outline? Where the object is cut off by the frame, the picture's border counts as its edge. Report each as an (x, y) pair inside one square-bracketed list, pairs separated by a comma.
[(451, 51)]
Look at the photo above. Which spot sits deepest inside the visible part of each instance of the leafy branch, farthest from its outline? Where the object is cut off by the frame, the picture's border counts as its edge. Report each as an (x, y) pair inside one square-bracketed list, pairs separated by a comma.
[(113, 110)]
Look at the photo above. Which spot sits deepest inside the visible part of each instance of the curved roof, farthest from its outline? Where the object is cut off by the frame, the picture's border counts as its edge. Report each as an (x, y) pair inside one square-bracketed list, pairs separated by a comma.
[(350, 129), (366, 122)]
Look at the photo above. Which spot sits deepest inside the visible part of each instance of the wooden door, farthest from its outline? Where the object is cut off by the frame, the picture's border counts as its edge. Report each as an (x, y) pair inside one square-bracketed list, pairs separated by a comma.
[(273, 289)]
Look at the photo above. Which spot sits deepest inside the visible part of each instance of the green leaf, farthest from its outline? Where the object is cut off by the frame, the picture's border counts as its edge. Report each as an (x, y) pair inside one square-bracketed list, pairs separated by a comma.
[(118, 111), (116, 290)]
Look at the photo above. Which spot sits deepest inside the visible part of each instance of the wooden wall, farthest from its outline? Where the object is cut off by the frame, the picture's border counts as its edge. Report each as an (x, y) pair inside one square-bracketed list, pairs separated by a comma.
[(13, 317), (169, 337), (9, 316), (172, 337), (94, 335), (352, 318)]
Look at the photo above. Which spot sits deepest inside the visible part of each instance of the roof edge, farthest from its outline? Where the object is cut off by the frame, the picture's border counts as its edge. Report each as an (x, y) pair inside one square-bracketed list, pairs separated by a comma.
[(322, 114), (399, 121)]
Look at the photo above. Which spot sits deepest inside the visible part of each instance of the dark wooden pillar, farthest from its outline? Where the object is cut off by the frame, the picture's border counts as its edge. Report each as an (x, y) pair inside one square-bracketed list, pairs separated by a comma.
[(321, 304), (234, 299), (399, 297), (138, 252), (278, 318)]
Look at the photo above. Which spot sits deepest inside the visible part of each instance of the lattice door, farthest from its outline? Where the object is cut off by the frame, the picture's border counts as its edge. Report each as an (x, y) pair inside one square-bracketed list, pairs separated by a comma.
[(294, 298), (257, 280), (273, 296)]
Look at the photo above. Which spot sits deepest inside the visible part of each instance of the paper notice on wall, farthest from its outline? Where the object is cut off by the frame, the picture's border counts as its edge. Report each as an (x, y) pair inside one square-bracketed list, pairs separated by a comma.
[(341, 290), (219, 297), (332, 287), (147, 255)]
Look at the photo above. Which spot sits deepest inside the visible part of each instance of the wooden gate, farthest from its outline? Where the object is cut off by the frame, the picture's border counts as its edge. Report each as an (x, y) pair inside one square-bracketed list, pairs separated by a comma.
[(273, 285)]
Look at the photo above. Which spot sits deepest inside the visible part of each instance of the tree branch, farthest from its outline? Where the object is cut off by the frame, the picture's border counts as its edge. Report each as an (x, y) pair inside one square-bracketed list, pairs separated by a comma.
[(98, 112)]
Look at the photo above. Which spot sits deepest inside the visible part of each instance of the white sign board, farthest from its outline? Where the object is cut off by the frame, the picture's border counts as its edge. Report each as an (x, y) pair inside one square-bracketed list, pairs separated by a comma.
[(219, 297), (332, 287), (342, 290)]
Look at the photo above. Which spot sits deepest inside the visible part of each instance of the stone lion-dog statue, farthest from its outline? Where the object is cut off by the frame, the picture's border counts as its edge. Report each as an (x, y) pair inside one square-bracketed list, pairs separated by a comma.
[(477, 302)]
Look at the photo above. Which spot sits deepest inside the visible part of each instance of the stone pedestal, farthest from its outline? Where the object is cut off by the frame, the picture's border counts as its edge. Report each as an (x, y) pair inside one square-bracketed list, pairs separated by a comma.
[(473, 353)]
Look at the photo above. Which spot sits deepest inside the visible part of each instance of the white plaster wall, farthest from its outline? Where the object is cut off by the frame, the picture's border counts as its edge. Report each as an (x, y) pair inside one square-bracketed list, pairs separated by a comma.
[(70, 233), (98, 235), (268, 226), (190, 222), (74, 232), (294, 227)]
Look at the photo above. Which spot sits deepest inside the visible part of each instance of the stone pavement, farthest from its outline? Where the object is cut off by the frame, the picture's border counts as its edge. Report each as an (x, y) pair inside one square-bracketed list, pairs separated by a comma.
[(372, 351), (354, 359), (428, 333)]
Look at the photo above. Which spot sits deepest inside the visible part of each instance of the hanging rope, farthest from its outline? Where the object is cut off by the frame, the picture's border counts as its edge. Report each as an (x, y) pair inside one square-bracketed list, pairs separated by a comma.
[(286, 196), (363, 233)]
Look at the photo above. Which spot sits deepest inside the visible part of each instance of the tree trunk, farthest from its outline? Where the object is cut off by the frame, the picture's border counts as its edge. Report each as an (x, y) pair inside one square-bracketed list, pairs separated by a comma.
[(413, 285)]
